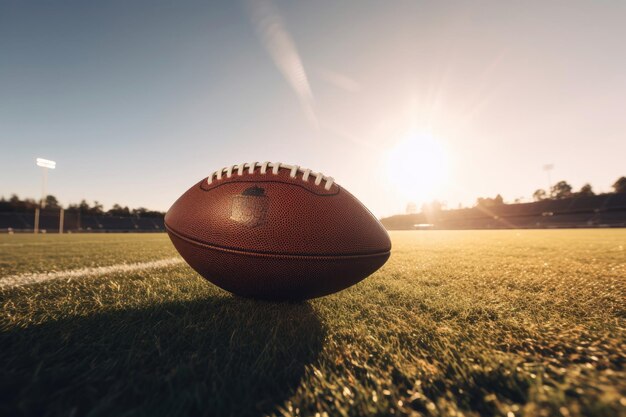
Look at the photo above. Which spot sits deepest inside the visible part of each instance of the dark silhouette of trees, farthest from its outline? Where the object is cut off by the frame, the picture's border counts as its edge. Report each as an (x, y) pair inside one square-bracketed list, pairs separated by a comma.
[(540, 194), (620, 185), (51, 202), (17, 205), (144, 212), (97, 208), (432, 207), (489, 202), (14, 204), (85, 209), (561, 190), (118, 210), (586, 190)]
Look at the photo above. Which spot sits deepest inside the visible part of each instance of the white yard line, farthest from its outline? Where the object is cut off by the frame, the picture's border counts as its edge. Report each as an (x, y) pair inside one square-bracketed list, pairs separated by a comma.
[(12, 281)]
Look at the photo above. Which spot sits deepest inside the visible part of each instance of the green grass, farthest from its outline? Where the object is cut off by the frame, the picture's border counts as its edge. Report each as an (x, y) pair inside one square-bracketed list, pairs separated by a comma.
[(456, 323), (46, 253)]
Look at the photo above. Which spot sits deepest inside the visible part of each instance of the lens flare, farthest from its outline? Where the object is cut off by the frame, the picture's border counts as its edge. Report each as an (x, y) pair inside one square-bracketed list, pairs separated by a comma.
[(417, 167)]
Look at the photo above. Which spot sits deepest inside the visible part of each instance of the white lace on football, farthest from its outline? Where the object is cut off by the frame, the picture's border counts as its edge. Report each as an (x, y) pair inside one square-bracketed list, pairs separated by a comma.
[(275, 166)]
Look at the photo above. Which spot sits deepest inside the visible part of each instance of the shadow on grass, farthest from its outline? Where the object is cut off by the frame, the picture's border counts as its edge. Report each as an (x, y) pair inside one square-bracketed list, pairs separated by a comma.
[(215, 356)]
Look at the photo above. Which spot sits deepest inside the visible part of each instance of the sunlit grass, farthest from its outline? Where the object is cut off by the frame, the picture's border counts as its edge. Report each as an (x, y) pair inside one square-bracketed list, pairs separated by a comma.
[(473, 322), (22, 253)]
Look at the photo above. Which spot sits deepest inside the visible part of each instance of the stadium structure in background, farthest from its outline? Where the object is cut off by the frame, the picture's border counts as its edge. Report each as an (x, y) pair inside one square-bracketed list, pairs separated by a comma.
[(53, 221), (18, 215), (558, 208), (604, 210)]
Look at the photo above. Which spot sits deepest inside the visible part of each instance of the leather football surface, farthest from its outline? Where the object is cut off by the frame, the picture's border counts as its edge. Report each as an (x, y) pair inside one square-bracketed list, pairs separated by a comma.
[(275, 235)]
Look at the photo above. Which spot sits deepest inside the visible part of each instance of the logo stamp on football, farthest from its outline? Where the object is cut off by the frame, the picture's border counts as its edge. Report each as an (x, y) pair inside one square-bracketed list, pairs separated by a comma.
[(250, 207)]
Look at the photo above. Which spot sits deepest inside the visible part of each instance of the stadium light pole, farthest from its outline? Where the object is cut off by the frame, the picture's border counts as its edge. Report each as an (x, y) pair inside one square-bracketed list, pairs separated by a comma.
[(548, 168), (45, 165)]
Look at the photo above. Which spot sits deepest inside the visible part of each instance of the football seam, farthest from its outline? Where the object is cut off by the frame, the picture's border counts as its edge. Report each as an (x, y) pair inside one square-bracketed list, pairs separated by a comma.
[(275, 254)]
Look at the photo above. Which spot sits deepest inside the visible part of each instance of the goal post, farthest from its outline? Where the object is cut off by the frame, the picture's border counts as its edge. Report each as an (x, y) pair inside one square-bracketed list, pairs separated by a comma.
[(61, 219), (36, 225), (45, 165)]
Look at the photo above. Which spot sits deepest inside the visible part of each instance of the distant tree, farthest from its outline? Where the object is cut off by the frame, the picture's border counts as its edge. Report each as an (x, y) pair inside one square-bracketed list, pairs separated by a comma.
[(561, 190), (586, 190), (411, 208), (144, 212), (15, 204), (620, 185), (15, 200), (76, 208), (139, 212), (10, 204), (432, 207), (52, 202), (489, 202), (29, 204), (97, 208), (5, 205), (485, 202), (118, 210), (84, 207)]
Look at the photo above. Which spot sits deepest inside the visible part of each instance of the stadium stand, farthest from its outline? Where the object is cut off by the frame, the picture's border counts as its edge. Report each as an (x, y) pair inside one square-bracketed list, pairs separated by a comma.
[(605, 210), (74, 222), (14, 221), (616, 201)]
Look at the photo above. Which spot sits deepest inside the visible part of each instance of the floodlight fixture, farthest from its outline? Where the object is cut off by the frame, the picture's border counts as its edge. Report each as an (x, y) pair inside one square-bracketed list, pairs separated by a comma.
[(46, 163)]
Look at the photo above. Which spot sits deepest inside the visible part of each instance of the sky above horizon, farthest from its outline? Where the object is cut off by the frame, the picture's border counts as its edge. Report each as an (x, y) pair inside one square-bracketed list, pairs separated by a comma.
[(398, 101)]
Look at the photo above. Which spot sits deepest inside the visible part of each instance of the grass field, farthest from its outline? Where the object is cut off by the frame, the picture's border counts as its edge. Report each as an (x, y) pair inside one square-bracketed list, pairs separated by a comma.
[(456, 323)]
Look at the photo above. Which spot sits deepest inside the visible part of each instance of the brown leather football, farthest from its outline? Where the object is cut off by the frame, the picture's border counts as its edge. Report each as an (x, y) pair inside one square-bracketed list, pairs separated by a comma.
[(276, 231)]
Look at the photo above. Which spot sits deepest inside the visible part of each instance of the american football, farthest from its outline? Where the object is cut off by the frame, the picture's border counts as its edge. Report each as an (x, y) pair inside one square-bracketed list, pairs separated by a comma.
[(276, 231), (444, 235)]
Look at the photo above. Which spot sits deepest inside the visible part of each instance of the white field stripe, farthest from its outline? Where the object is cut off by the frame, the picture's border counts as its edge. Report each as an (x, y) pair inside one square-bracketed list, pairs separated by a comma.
[(12, 281)]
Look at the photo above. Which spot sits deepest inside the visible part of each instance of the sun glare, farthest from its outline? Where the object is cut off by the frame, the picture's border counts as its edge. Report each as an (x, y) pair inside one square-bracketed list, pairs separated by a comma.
[(417, 167)]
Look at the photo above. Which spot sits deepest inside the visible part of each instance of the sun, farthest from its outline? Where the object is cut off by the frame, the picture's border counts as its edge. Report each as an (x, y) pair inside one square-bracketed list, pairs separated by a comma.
[(417, 167)]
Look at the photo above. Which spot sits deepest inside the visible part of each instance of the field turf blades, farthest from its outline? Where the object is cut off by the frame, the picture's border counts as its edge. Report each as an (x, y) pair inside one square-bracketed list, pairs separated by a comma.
[(468, 323)]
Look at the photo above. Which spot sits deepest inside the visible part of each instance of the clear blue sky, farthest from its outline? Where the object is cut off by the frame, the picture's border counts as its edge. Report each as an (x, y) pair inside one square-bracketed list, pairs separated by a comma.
[(137, 100)]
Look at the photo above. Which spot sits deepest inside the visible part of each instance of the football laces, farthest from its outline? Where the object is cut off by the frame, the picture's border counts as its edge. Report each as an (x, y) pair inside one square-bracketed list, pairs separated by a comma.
[(238, 169)]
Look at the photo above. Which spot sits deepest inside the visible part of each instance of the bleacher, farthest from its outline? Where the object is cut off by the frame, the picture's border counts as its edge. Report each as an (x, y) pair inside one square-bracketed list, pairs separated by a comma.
[(616, 202), (74, 222), (15, 221), (605, 210), (586, 204)]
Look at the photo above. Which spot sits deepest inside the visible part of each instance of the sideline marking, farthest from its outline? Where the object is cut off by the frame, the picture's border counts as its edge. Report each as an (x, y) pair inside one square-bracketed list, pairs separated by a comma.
[(13, 281)]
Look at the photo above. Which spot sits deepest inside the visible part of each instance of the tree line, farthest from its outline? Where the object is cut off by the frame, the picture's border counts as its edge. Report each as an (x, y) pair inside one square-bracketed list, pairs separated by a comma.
[(15, 204), (563, 189), (560, 190)]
